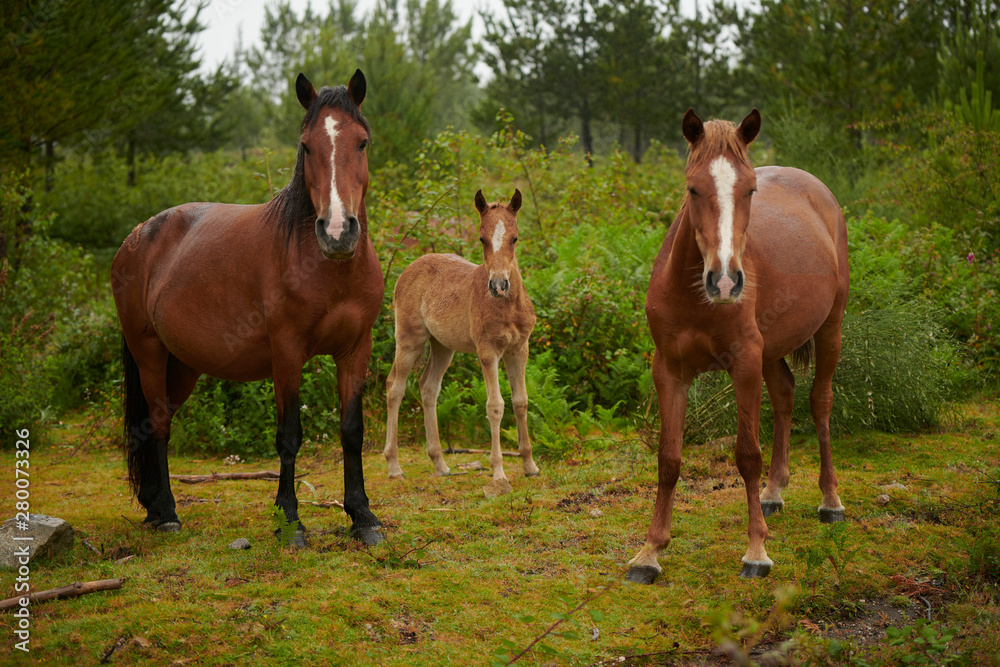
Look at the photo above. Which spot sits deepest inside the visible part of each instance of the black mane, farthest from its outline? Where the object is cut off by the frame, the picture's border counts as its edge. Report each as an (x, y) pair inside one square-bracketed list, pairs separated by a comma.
[(292, 207)]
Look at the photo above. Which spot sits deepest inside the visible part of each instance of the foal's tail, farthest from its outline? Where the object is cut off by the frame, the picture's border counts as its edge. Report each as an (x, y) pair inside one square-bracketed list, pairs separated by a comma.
[(802, 356), (136, 419)]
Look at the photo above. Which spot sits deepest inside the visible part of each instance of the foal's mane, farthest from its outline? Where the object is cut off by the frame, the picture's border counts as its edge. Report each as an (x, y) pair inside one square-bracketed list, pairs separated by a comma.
[(292, 207)]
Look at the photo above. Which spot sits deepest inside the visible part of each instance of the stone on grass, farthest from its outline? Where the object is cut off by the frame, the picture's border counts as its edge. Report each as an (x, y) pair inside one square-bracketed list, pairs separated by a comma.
[(50, 536), (497, 487), (241, 543)]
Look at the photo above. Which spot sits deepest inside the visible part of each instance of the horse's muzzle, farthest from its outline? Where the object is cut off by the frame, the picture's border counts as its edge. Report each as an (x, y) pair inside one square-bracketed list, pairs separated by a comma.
[(723, 287), (343, 247), (499, 287)]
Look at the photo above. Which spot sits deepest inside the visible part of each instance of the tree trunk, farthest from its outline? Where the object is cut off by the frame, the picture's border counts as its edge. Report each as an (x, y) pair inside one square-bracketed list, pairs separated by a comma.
[(130, 160), (585, 135), (637, 149), (50, 165)]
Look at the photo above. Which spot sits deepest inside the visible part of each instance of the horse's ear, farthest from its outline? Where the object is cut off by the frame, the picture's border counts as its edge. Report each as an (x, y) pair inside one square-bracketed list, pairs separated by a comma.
[(515, 201), (357, 87), (692, 127), (749, 128), (304, 90), (480, 202)]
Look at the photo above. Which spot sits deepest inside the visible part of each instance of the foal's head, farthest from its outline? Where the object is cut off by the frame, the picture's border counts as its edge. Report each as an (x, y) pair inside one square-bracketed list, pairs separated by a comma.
[(498, 234), (334, 161), (720, 184)]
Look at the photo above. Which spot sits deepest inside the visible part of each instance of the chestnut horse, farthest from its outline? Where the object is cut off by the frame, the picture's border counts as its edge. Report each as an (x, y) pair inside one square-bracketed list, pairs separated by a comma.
[(738, 288), (251, 292), (457, 305)]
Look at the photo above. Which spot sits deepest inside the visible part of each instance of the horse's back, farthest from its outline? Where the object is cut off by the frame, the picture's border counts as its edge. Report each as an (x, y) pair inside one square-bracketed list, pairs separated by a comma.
[(432, 295)]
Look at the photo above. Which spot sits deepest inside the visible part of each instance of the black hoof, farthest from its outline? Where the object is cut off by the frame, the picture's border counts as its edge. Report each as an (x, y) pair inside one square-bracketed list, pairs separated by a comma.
[(755, 570), (168, 526), (368, 536), (830, 516), (642, 574), (533, 474), (296, 539), (769, 507)]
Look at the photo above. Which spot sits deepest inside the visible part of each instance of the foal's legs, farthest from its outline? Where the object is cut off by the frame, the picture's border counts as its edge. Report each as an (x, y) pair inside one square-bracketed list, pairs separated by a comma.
[(781, 389), (407, 355), (490, 361), (672, 396), (516, 361), (430, 387), (821, 402)]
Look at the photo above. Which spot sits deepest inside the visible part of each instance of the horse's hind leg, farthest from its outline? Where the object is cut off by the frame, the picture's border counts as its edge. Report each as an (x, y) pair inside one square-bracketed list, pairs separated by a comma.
[(821, 403), (516, 362), (781, 389), (430, 387), (395, 389), (164, 384)]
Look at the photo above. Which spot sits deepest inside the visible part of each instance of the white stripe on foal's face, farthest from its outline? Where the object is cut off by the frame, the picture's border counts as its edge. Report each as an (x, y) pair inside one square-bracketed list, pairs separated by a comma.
[(725, 191), (498, 233), (335, 224)]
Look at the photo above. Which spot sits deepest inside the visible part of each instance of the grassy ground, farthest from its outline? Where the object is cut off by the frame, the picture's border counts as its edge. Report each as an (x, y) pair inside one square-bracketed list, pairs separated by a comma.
[(482, 566)]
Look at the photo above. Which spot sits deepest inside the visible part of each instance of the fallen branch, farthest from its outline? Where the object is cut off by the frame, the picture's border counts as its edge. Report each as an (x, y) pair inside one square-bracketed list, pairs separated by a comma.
[(216, 476), (324, 503), (71, 591), (463, 450)]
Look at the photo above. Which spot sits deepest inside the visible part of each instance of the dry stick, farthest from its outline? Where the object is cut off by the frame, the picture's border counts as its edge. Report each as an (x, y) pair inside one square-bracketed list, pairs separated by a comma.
[(70, 591), (216, 476), (587, 600), (423, 218), (464, 450)]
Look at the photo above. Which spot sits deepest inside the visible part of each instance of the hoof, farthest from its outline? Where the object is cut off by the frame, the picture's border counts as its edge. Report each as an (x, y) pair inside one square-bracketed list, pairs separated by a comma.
[(368, 536), (397, 475), (769, 507), (168, 526), (497, 487), (831, 516), (755, 569), (642, 574), (297, 539), (537, 473), (446, 473)]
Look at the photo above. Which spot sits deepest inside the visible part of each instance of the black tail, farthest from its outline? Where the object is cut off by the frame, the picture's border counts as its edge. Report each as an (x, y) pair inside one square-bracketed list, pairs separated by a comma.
[(136, 419), (804, 355)]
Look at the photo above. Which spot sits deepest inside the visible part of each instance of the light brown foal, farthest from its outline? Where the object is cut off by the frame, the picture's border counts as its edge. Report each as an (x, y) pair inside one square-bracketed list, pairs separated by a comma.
[(738, 288), (459, 306)]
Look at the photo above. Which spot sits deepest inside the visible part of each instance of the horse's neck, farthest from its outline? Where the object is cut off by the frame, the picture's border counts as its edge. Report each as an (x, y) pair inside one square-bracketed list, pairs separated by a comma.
[(685, 263)]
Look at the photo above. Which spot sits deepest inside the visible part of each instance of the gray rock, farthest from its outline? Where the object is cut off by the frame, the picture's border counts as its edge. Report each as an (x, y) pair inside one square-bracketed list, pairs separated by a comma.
[(49, 536), (241, 543)]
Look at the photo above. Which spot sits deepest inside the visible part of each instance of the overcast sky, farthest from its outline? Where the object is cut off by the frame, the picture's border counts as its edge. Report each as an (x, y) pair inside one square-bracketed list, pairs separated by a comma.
[(227, 19)]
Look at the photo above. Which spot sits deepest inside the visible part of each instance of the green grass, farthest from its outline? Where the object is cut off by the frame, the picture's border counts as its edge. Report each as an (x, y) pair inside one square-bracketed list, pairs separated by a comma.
[(459, 571)]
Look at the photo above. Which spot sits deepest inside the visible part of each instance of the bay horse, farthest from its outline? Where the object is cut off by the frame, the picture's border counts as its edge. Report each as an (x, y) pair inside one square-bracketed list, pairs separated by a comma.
[(738, 288), (250, 292), (459, 306)]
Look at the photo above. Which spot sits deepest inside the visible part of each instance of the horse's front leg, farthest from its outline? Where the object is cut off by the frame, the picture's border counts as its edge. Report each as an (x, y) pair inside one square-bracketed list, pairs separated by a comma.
[(516, 362), (287, 379), (747, 379), (671, 394), (490, 361), (351, 372)]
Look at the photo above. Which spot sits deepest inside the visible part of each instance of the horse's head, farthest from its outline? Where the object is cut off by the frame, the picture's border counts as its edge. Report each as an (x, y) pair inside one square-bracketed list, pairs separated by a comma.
[(498, 234), (334, 161), (720, 184)]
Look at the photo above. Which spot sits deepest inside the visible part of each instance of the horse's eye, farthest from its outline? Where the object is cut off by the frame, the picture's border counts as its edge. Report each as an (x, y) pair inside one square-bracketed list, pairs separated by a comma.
[(364, 145), (483, 241), (750, 194), (693, 191), (305, 148), (513, 240)]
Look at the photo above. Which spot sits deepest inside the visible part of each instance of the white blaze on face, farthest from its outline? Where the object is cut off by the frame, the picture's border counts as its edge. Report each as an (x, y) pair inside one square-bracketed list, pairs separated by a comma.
[(725, 185), (498, 233), (335, 222)]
